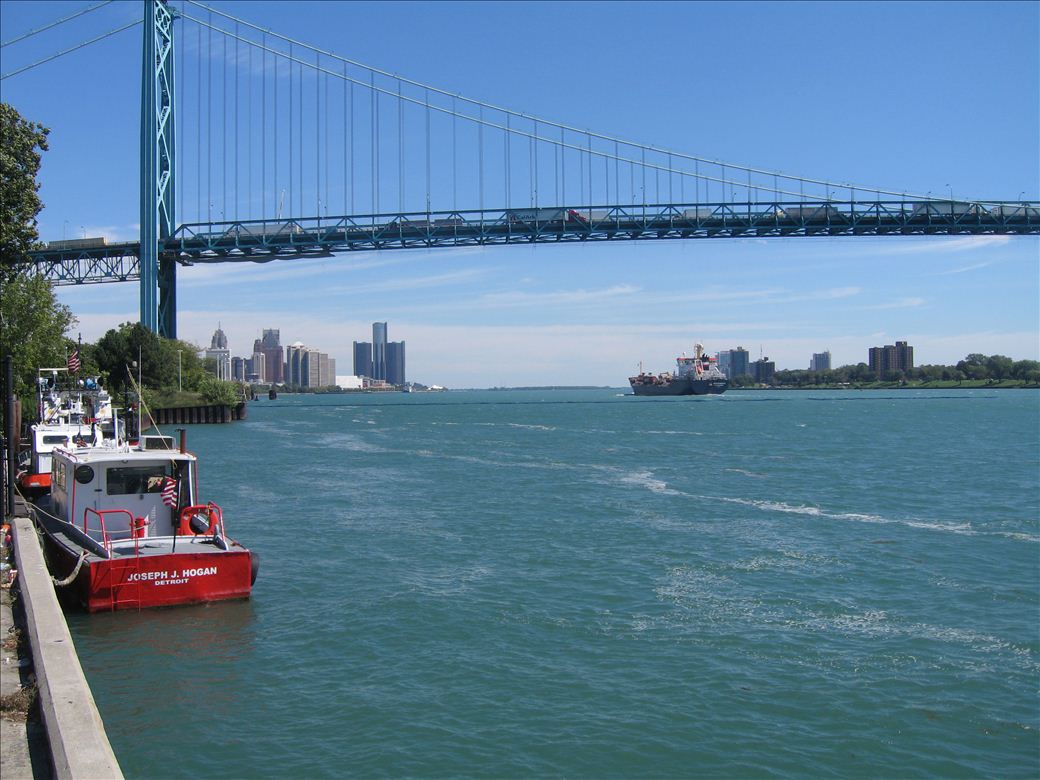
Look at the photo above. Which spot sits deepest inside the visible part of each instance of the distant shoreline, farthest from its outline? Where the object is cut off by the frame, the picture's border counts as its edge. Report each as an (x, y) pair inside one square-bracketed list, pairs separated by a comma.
[(968, 384)]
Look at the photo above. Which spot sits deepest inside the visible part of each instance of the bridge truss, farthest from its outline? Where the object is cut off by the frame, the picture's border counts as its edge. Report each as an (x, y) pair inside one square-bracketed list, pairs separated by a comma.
[(264, 240)]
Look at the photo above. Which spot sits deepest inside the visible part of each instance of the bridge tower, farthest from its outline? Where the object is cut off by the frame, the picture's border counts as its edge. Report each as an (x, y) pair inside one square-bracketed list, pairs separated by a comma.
[(158, 273)]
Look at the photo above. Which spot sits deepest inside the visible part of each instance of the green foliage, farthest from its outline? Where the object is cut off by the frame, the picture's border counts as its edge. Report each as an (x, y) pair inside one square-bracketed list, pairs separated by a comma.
[(32, 330), (975, 367), (165, 364), (217, 391), (21, 144), (32, 322)]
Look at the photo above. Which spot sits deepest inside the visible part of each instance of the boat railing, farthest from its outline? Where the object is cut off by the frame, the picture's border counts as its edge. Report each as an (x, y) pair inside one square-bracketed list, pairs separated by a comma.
[(134, 527)]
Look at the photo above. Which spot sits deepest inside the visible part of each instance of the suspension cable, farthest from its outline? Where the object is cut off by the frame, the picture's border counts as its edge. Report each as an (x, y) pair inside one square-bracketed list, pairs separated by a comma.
[(598, 136), (46, 27), (562, 144), (71, 49)]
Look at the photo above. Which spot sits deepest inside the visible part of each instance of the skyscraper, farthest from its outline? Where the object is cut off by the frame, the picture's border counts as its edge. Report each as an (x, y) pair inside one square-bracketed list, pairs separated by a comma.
[(362, 359), (293, 358), (219, 353), (379, 350), (821, 361), (306, 367), (891, 357), (270, 345), (395, 363)]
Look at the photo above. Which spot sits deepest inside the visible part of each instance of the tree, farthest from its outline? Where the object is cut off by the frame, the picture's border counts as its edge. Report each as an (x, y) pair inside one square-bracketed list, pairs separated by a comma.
[(999, 366), (32, 322), (21, 144), (32, 330), (165, 364)]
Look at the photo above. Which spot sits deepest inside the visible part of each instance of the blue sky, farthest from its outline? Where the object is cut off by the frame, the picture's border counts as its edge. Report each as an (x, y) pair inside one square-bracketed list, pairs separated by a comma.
[(923, 97)]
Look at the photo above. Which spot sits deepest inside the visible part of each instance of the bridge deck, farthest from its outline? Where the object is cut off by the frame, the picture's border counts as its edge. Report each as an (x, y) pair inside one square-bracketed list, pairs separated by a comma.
[(259, 240)]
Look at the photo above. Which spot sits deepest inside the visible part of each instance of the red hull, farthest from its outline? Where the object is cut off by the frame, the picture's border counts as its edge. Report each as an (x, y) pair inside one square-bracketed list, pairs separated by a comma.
[(164, 580)]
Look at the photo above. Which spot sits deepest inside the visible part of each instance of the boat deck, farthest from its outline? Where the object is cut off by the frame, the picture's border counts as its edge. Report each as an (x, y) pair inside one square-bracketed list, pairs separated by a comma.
[(72, 539)]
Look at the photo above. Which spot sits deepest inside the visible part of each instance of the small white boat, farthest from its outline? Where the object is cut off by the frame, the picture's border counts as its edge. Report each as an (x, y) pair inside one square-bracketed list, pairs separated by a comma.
[(125, 528), (78, 415)]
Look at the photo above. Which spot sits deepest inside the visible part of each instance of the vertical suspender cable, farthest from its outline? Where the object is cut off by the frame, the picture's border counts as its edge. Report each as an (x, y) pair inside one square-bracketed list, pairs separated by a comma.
[(249, 138), (671, 178), (347, 128), (428, 177), (223, 128), (372, 142), (480, 155), (591, 198), (581, 175), (263, 127), (642, 199), (317, 131), (236, 140), (292, 156), (375, 150), (617, 177), (326, 78), (532, 171), (506, 139), (563, 170), (300, 210), (198, 133), (400, 149), (274, 148), (454, 168), (534, 141), (209, 122), (353, 210)]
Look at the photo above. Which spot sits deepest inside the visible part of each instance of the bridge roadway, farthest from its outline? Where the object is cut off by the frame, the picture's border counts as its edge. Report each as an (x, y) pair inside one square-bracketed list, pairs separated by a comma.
[(67, 263)]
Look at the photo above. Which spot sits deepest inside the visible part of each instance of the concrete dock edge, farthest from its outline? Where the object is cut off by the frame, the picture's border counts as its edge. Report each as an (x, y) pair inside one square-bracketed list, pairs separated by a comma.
[(79, 746)]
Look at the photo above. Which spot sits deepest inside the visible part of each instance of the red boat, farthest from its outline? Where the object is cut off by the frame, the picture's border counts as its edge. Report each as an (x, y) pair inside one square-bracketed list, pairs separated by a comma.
[(125, 529)]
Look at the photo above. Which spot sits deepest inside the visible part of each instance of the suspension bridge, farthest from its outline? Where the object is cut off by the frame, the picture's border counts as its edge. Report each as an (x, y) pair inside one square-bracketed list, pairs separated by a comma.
[(294, 151)]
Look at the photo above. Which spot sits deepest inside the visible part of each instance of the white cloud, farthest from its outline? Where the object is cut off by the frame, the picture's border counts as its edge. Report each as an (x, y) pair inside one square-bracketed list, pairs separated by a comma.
[(902, 303), (915, 246)]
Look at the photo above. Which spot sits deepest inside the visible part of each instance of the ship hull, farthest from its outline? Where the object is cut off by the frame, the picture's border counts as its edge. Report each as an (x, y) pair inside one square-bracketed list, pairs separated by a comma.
[(193, 571), (681, 387)]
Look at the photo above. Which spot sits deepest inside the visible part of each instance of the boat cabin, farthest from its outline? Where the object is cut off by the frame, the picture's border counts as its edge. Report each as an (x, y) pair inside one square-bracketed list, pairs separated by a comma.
[(116, 493)]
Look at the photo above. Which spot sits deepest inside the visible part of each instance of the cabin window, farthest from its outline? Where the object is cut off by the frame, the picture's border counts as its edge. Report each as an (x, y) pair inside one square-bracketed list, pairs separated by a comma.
[(58, 474), (55, 439), (130, 480), (84, 474)]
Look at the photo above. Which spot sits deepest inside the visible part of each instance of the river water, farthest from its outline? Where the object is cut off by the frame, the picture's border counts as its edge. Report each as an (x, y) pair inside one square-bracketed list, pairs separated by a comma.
[(588, 584)]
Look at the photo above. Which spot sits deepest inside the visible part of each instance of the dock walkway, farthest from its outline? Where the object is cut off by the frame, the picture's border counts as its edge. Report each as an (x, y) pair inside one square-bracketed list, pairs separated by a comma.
[(69, 741)]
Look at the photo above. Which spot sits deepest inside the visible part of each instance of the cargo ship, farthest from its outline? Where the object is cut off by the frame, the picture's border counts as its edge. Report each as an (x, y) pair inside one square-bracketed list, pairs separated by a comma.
[(697, 375)]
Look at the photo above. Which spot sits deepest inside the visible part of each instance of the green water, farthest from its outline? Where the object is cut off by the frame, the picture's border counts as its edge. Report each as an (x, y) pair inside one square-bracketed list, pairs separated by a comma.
[(587, 584)]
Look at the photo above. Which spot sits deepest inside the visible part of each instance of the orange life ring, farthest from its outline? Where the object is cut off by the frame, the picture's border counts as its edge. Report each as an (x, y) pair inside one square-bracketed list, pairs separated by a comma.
[(210, 511)]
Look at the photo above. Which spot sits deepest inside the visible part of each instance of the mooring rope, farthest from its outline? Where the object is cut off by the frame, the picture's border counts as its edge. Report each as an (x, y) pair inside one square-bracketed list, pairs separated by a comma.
[(68, 580)]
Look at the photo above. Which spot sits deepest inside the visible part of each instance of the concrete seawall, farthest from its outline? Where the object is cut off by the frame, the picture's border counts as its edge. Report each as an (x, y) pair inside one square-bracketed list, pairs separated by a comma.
[(78, 744)]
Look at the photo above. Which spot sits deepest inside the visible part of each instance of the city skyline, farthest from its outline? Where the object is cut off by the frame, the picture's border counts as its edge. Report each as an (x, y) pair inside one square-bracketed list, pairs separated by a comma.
[(588, 314)]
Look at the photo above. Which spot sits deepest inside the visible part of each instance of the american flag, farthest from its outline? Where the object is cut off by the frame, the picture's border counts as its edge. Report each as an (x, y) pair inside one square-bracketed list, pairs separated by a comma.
[(169, 491), (73, 362)]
